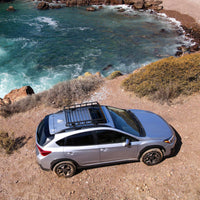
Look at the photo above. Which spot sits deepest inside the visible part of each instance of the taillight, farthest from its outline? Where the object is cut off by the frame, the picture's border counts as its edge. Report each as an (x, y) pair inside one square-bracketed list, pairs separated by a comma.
[(43, 152)]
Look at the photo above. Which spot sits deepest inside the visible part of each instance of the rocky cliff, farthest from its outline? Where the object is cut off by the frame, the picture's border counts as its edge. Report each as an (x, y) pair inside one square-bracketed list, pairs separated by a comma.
[(16, 95), (136, 4)]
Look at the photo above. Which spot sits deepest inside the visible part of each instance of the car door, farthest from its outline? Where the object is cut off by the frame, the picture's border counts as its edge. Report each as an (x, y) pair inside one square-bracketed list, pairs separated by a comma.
[(112, 146), (82, 149)]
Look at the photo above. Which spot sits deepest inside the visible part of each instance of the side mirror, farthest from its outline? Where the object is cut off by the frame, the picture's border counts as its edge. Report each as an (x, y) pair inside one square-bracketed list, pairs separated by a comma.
[(127, 143)]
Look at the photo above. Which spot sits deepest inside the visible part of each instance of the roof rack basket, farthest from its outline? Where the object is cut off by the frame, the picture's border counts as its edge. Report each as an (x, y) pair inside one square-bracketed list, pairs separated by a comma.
[(89, 113)]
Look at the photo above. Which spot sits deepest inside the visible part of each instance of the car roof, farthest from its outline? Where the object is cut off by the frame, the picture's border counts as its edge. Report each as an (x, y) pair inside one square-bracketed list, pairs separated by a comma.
[(77, 116)]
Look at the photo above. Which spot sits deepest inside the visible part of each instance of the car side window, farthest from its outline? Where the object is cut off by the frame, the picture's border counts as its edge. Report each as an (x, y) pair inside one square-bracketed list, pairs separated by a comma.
[(109, 137), (81, 139)]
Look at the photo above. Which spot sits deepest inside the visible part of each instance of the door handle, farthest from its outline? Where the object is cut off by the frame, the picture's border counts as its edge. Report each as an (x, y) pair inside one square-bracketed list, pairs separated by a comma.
[(70, 153), (103, 149)]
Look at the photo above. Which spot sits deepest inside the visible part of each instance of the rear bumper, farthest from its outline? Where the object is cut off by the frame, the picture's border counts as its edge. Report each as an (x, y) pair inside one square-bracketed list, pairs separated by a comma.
[(43, 168), (41, 160)]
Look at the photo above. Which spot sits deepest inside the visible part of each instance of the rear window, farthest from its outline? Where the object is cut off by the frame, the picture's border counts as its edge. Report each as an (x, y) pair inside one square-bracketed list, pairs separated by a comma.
[(43, 135)]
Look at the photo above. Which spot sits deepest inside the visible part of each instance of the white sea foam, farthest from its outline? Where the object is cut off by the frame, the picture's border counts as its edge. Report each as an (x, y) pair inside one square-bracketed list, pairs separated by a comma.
[(20, 39), (2, 52), (36, 25), (79, 28), (23, 41), (7, 83), (48, 21), (92, 53)]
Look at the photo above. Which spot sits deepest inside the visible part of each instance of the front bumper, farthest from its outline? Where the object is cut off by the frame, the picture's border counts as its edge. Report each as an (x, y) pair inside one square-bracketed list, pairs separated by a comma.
[(170, 148)]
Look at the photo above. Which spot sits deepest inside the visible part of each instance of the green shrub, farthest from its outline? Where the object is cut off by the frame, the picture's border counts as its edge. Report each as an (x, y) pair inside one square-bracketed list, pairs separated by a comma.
[(60, 95), (167, 78), (114, 75), (10, 144), (7, 142)]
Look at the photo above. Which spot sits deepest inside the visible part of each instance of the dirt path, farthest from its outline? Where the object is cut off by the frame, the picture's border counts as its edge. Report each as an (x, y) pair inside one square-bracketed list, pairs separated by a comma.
[(174, 178)]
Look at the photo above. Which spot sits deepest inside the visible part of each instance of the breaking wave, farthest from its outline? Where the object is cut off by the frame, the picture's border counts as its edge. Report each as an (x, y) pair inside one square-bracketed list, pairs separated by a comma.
[(48, 20)]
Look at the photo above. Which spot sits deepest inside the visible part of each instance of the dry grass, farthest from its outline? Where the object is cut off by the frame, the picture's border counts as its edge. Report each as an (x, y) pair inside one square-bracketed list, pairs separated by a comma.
[(167, 78), (7, 142), (114, 75), (60, 95)]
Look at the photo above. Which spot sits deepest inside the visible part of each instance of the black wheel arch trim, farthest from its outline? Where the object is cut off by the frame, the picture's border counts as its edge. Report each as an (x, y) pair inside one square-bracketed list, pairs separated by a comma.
[(53, 163), (151, 147)]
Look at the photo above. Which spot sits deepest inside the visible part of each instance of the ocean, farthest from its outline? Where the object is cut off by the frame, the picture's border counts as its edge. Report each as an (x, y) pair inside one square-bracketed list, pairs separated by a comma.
[(41, 48)]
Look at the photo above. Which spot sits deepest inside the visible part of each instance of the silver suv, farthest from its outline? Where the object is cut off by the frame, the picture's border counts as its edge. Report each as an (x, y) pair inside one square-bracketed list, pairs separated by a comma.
[(89, 134)]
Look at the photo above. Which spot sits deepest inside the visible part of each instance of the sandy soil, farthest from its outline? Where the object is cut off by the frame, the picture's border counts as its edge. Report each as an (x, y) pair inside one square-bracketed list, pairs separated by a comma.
[(175, 178), (188, 7)]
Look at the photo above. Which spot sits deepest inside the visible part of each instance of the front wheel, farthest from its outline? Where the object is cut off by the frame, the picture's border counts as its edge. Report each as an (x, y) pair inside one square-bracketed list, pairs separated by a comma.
[(152, 156), (65, 168)]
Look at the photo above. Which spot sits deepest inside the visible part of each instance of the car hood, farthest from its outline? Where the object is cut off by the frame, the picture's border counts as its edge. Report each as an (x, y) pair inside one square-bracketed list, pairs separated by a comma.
[(154, 125)]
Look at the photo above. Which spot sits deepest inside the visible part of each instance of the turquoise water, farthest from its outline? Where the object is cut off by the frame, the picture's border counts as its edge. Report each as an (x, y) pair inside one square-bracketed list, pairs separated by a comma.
[(42, 48)]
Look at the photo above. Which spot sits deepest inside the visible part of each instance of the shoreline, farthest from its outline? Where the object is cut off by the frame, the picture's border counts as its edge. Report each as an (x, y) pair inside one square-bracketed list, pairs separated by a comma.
[(190, 26), (188, 23)]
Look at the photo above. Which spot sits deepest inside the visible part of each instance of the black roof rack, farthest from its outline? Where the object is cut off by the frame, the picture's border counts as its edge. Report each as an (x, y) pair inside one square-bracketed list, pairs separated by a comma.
[(89, 113)]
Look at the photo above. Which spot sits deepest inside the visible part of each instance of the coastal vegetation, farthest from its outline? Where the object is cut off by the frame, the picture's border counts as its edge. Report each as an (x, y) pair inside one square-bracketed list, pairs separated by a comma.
[(7, 142), (62, 94), (167, 78), (114, 75)]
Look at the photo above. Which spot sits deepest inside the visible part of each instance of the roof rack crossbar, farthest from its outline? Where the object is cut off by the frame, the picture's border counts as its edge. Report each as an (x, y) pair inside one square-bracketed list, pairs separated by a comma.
[(84, 114)]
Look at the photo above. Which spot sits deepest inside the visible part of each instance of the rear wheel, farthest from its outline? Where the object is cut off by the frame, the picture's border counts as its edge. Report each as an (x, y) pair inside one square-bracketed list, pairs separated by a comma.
[(152, 156), (65, 168)]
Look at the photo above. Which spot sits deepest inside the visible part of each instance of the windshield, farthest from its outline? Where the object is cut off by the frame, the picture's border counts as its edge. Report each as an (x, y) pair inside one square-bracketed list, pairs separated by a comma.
[(124, 121)]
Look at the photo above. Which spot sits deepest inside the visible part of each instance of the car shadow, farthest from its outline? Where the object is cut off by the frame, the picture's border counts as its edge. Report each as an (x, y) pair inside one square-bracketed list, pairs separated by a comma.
[(79, 170), (20, 142)]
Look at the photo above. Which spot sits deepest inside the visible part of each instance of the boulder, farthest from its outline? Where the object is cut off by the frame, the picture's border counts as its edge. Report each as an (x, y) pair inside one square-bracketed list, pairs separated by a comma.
[(98, 74), (43, 5), (86, 74), (139, 4), (91, 9), (18, 94), (55, 6), (113, 2), (153, 4), (178, 53), (121, 10), (194, 48), (131, 2), (1, 102), (98, 2), (71, 3), (10, 8)]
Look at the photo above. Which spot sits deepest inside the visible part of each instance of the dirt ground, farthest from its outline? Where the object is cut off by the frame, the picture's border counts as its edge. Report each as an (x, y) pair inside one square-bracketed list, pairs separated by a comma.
[(177, 177)]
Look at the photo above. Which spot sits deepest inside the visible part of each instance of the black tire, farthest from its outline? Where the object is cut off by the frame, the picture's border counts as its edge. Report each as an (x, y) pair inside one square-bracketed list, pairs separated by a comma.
[(65, 168), (152, 157)]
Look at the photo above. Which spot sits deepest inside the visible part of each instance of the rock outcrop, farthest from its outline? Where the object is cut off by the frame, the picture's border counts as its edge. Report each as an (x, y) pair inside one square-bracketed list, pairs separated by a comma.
[(10, 8), (43, 5), (136, 4), (92, 9), (16, 95), (88, 74)]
